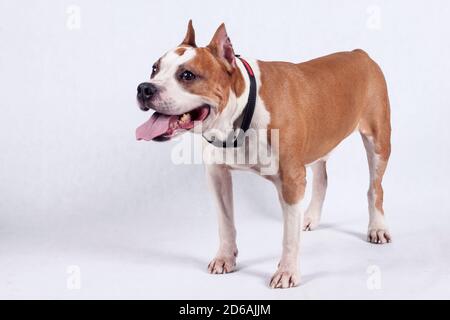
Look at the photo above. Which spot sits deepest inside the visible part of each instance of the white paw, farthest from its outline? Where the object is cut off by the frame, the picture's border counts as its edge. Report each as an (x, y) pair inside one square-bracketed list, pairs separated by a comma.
[(378, 235), (221, 265), (285, 278), (310, 221)]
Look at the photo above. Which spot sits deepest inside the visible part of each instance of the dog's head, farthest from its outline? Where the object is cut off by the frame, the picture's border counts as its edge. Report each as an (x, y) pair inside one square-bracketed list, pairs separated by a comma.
[(189, 85)]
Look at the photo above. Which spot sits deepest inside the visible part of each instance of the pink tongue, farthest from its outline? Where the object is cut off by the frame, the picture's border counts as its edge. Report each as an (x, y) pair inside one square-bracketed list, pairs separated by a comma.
[(156, 126)]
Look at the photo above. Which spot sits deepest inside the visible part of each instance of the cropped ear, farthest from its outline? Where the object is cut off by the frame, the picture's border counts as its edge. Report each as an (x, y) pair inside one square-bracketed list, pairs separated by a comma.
[(189, 39), (222, 48)]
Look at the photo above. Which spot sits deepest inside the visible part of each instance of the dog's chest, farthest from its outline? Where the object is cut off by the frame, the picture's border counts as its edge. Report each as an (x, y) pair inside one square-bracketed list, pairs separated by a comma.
[(255, 155)]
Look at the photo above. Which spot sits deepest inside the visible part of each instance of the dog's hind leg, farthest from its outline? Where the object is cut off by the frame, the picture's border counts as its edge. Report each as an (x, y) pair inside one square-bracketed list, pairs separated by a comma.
[(375, 129), (219, 178), (319, 189)]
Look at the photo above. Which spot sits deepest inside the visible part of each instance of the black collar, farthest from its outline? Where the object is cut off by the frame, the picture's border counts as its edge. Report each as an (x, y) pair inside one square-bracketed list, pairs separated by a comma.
[(234, 141)]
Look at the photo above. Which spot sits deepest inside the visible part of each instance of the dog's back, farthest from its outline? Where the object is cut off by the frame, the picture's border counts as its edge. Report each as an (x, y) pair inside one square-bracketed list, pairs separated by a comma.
[(318, 103)]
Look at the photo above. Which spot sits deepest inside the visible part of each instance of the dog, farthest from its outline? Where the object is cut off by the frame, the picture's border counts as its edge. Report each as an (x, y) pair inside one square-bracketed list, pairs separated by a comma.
[(312, 106)]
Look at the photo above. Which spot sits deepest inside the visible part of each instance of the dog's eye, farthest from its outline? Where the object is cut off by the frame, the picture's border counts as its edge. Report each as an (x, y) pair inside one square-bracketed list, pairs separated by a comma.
[(154, 70), (187, 75)]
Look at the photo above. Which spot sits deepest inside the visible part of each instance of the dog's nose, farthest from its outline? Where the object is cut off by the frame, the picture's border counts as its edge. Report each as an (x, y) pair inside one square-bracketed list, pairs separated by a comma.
[(145, 91)]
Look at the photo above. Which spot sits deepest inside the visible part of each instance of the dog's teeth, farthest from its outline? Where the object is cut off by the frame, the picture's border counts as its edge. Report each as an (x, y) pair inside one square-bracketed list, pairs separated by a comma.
[(185, 118)]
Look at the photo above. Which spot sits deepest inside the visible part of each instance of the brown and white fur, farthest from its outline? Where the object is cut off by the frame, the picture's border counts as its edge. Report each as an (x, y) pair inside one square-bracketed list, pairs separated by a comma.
[(314, 105)]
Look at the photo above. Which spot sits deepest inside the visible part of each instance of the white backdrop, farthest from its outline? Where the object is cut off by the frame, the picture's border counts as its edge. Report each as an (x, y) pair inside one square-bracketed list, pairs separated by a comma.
[(88, 212)]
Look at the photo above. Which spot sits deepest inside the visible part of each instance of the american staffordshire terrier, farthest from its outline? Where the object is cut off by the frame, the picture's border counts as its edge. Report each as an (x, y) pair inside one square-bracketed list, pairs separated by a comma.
[(312, 106)]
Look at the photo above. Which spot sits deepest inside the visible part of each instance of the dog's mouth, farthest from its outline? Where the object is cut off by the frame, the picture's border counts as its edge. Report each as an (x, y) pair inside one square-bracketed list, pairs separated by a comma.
[(162, 127)]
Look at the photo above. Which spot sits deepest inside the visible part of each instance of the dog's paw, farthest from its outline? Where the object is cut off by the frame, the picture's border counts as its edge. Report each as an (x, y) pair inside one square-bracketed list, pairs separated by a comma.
[(379, 236), (285, 278), (221, 265), (310, 221)]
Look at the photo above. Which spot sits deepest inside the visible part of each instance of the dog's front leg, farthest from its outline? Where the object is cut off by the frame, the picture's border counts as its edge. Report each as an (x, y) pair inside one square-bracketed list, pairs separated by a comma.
[(219, 178), (291, 189)]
